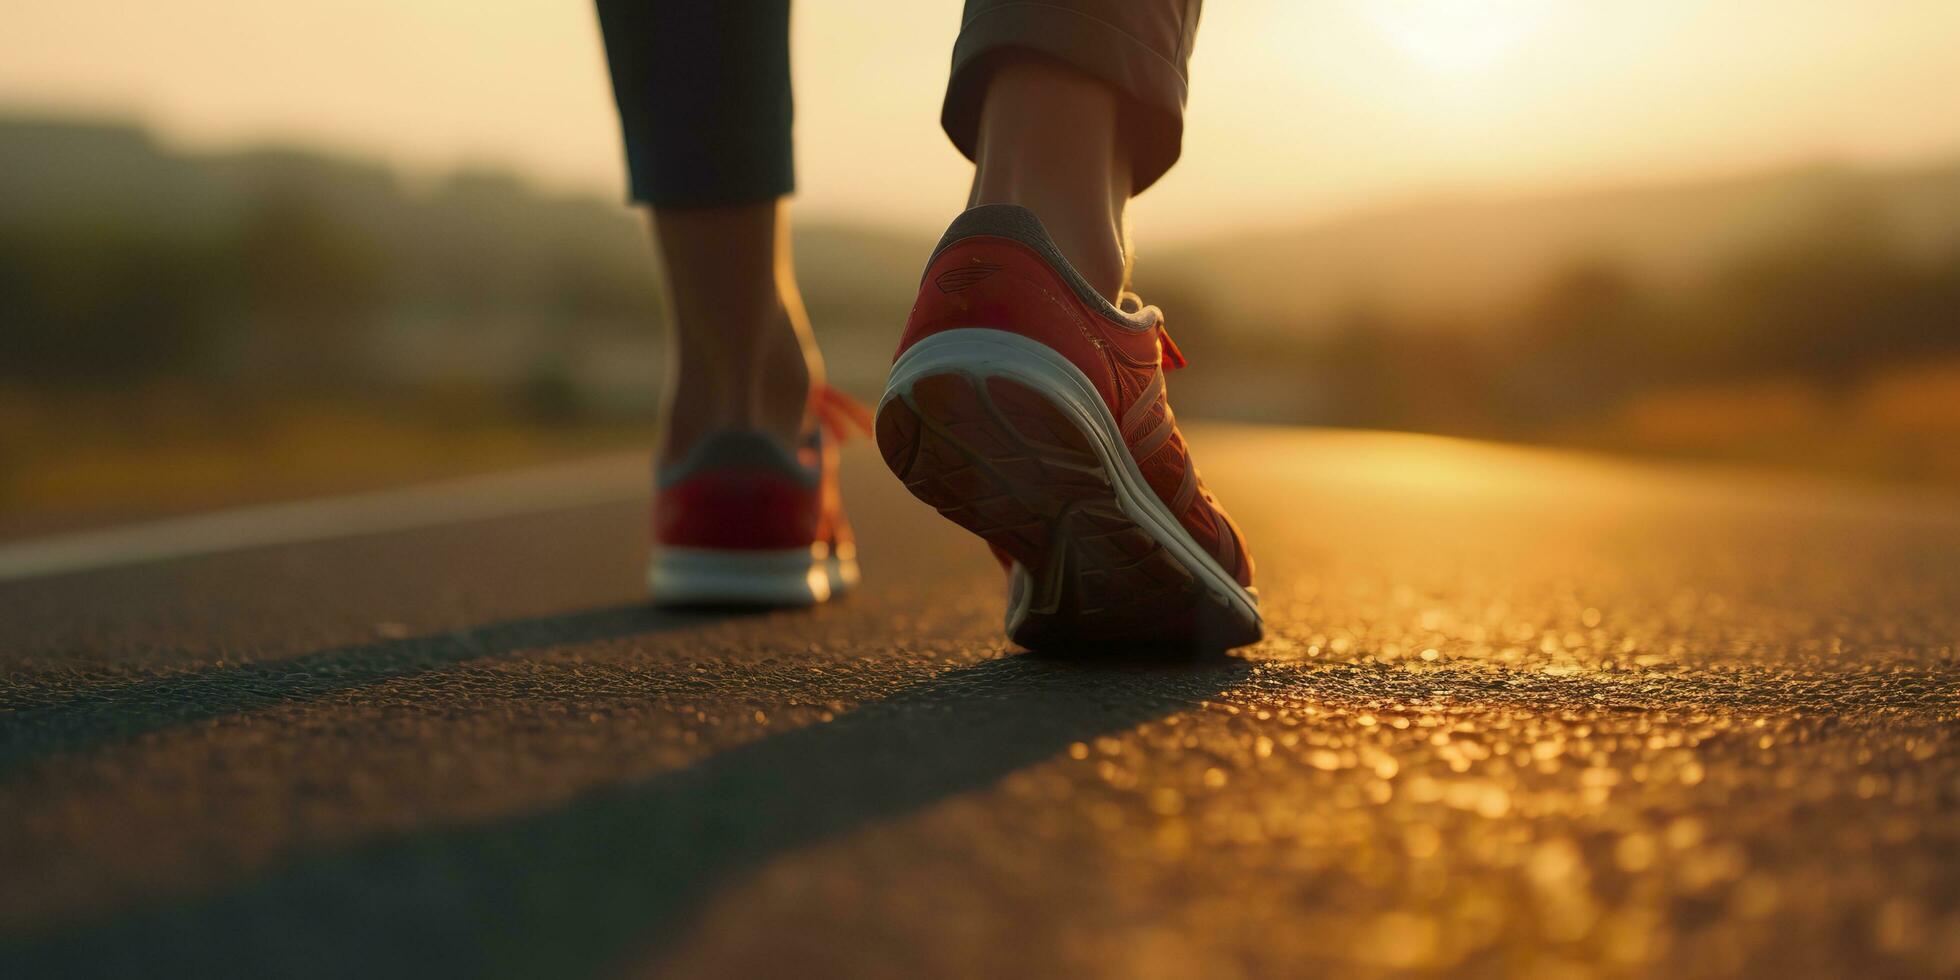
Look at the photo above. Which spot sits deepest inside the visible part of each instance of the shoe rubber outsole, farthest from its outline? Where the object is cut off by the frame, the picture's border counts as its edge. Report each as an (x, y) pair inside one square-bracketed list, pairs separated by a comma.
[(714, 577), (1002, 444)]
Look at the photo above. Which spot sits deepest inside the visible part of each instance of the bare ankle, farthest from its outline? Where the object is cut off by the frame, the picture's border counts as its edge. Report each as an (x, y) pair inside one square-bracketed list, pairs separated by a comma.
[(741, 352), (755, 377), (1048, 142)]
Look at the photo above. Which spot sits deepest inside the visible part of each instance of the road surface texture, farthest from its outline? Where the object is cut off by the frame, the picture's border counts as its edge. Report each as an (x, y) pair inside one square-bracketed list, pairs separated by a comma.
[(1519, 713)]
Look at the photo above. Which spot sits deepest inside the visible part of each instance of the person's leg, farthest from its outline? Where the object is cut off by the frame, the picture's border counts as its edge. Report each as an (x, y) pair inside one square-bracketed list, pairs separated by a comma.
[(745, 506), (744, 357), (1027, 401), (1068, 108), (703, 89), (1048, 141)]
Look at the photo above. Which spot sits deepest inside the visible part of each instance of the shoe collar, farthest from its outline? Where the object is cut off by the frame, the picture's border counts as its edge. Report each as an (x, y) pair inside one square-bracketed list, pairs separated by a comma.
[(1018, 224)]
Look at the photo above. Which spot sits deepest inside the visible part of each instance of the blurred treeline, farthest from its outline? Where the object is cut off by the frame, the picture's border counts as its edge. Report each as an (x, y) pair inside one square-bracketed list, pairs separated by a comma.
[(1806, 317), (123, 263), (1776, 310), (1832, 300)]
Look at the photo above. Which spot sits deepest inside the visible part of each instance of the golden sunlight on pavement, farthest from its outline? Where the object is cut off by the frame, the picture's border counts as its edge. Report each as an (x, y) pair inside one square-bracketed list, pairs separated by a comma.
[(1518, 712)]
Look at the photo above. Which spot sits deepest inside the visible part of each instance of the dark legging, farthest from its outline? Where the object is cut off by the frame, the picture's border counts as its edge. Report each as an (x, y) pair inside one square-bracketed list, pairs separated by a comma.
[(704, 91)]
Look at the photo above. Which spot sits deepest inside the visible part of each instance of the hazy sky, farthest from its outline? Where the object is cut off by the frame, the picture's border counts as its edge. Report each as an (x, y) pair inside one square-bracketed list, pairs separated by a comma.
[(1300, 108)]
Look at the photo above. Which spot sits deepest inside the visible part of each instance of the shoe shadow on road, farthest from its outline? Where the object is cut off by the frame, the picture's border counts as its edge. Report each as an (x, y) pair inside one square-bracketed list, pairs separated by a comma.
[(621, 872), (102, 716)]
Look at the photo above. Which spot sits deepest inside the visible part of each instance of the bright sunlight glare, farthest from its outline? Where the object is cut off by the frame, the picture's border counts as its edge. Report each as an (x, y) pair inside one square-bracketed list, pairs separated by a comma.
[(1456, 36)]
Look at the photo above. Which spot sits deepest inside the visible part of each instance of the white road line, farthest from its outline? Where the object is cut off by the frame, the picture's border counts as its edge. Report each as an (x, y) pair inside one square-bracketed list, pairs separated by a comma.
[(598, 480)]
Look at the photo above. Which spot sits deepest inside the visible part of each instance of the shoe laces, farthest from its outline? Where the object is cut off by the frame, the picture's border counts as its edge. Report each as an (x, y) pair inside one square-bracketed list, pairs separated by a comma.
[(1131, 303), (839, 414)]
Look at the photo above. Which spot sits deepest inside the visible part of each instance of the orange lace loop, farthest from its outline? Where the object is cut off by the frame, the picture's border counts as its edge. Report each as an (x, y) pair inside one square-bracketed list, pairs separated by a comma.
[(1173, 358), (839, 413)]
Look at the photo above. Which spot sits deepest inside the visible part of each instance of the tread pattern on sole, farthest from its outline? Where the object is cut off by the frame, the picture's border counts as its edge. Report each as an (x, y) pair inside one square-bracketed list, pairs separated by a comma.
[(999, 459)]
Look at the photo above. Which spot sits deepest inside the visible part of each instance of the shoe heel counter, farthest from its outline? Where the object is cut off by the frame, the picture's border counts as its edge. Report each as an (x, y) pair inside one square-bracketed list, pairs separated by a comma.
[(1001, 284), (736, 509)]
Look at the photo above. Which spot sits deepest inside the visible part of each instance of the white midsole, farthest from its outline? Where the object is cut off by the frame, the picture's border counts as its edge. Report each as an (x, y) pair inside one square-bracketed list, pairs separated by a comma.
[(983, 353), (793, 576)]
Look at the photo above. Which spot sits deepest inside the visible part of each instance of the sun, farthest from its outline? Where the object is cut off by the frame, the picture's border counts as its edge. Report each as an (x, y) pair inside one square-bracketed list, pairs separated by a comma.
[(1457, 36)]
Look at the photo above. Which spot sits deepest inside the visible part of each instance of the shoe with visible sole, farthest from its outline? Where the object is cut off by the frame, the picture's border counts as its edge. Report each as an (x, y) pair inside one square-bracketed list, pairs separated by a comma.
[(742, 520), (1029, 410)]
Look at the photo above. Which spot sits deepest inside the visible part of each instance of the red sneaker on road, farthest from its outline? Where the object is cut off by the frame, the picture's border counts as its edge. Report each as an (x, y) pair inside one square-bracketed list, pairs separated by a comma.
[(1030, 411), (743, 520)]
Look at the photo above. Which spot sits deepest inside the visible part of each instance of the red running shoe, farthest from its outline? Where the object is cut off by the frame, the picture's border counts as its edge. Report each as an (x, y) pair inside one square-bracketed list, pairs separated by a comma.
[(743, 520), (1030, 411)]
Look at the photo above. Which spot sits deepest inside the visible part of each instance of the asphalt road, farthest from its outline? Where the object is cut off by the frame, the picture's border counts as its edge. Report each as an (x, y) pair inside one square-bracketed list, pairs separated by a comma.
[(1519, 713)]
